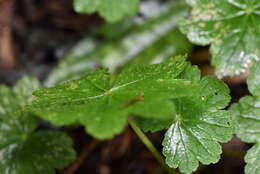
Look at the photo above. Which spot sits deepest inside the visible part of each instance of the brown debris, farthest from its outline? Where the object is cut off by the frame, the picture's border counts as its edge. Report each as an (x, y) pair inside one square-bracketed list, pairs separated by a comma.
[(7, 55), (81, 157)]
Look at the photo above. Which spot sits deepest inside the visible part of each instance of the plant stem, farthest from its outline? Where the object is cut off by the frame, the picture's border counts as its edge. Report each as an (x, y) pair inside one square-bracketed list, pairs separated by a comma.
[(151, 147)]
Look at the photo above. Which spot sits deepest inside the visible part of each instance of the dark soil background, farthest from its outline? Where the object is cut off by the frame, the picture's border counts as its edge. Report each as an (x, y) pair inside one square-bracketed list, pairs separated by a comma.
[(34, 34)]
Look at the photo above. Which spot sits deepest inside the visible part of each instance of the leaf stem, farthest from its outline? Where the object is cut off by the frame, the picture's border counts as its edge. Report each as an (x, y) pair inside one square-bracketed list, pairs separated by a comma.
[(151, 147)]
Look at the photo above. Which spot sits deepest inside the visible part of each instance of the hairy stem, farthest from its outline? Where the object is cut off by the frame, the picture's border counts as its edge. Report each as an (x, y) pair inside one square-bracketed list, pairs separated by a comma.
[(151, 147)]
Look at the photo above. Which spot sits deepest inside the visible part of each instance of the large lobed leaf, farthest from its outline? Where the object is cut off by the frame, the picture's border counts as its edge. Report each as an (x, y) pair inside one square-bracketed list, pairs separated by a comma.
[(232, 29), (111, 10), (197, 124), (22, 150), (247, 114), (102, 105)]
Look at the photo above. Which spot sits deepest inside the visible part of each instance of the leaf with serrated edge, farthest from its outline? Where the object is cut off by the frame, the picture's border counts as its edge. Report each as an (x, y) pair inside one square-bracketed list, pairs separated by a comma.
[(111, 10), (199, 124), (22, 150), (247, 115), (103, 107), (232, 29)]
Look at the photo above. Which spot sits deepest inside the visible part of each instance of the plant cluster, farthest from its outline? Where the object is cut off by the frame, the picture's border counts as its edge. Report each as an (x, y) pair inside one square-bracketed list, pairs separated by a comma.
[(139, 85)]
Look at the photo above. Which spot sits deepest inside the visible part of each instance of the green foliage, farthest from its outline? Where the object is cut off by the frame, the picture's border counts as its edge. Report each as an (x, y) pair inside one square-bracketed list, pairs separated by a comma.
[(153, 124), (13, 100), (152, 41), (169, 95), (197, 125), (194, 137), (247, 114), (111, 10), (232, 29), (254, 80), (102, 105), (23, 151)]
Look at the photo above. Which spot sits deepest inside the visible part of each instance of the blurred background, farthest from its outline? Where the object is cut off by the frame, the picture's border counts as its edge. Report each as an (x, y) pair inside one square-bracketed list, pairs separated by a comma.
[(49, 40)]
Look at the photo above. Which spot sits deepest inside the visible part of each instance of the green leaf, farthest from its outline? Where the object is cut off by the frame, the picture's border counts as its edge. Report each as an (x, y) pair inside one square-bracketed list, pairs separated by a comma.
[(26, 152), (232, 29), (102, 106), (247, 115), (254, 79), (22, 150), (252, 159), (157, 38), (16, 99), (111, 10), (248, 118), (199, 123), (154, 124), (191, 73)]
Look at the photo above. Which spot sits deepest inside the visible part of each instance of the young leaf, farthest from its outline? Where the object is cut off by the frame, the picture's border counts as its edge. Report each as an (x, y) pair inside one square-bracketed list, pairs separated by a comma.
[(22, 150), (103, 106), (198, 125), (247, 114), (232, 29), (157, 38), (111, 10)]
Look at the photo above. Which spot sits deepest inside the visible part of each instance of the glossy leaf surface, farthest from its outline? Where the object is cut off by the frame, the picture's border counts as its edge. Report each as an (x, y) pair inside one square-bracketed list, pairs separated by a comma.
[(198, 126), (232, 29)]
